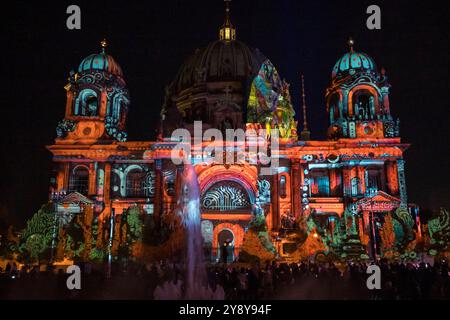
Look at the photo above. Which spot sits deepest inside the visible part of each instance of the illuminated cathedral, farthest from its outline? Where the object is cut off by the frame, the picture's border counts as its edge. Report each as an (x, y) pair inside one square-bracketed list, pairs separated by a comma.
[(348, 184)]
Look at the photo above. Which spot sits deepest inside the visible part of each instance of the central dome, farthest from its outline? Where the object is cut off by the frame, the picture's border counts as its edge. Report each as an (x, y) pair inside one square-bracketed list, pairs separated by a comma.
[(221, 60), (228, 85)]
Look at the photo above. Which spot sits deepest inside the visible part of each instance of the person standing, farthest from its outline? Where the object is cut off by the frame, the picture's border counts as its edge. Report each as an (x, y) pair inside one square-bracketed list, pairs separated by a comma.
[(225, 252)]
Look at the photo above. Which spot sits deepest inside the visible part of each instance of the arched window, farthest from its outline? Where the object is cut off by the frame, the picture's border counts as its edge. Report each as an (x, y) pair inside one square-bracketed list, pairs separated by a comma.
[(364, 104), (115, 185), (79, 180), (356, 187), (374, 180), (226, 196), (135, 183), (320, 183), (87, 103), (149, 184), (117, 108), (91, 106), (283, 186), (334, 107)]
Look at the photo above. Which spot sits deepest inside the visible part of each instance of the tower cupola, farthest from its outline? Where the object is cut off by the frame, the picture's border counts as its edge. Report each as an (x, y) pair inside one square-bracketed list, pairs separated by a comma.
[(227, 32), (357, 99), (97, 101)]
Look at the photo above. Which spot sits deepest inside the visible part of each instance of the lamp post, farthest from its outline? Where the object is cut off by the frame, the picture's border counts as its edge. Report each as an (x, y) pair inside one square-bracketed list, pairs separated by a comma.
[(111, 235), (374, 240), (55, 198), (278, 241)]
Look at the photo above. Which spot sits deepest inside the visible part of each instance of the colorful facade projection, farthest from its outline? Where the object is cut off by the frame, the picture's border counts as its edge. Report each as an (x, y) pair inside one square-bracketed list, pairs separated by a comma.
[(340, 198), (269, 102)]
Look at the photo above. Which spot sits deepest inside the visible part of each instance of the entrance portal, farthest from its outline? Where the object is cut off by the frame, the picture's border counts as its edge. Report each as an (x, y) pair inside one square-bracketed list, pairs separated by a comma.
[(225, 245)]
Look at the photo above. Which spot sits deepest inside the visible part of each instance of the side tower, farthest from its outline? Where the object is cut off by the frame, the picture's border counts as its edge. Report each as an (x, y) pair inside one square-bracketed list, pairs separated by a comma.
[(99, 177), (97, 102), (367, 172), (357, 102), (92, 129), (358, 99)]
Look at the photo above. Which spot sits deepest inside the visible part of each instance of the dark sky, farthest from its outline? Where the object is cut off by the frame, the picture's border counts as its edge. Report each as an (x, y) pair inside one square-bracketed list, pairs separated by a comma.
[(150, 40)]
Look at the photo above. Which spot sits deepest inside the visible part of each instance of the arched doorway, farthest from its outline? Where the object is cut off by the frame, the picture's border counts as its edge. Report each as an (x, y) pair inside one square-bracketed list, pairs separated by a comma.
[(225, 241), (227, 196)]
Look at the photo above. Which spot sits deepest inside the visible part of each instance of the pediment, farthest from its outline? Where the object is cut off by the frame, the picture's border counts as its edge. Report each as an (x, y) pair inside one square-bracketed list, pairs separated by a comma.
[(75, 198), (380, 201)]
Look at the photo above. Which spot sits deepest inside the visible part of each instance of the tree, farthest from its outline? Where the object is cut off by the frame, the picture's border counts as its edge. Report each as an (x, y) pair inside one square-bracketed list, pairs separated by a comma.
[(35, 245), (256, 245), (439, 231), (38, 234), (135, 224), (312, 245)]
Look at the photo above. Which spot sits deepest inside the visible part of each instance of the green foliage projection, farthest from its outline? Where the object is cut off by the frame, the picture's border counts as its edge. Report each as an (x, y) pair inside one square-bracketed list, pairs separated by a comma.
[(135, 224), (258, 225), (37, 236)]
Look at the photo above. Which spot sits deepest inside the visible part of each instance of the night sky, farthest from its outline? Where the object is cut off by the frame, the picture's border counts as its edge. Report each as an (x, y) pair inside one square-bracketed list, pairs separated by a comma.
[(151, 39)]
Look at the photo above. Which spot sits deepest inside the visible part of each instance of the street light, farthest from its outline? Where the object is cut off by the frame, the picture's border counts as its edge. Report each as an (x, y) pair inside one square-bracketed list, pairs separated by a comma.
[(111, 235), (55, 198), (374, 240)]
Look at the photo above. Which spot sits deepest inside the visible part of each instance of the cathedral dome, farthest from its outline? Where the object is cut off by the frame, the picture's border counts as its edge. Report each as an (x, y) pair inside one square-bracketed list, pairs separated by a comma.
[(102, 62), (352, 62), (221, 60)]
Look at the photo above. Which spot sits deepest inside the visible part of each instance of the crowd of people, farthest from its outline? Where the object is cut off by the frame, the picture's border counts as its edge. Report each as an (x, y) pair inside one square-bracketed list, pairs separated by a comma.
[(328, 281), (272, 280)]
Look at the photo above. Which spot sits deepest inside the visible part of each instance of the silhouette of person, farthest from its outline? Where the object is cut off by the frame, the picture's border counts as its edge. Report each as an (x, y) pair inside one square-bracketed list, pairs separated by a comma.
[(225, 252)]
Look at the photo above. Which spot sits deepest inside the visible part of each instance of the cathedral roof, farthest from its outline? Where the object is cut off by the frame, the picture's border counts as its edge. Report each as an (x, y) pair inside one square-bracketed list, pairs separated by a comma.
[(101, 61), (221, 60)]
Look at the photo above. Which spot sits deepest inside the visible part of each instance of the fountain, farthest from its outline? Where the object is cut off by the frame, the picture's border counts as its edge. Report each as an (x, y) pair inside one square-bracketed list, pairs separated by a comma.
[(188, 207), (189, 203)]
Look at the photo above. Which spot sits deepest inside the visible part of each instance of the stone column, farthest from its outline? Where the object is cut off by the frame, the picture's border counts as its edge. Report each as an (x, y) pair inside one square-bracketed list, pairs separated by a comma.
[(392, 177), (295, 189), (92, 178), (366, 232), (60, 175), (362, 178), (107, 186), (346, 181), (302, 183), (385, 98), (103, 104), (366, 220), (275, 202), (66, 178), (158, 206), (100, 180), (334, 182), (69, 103)]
